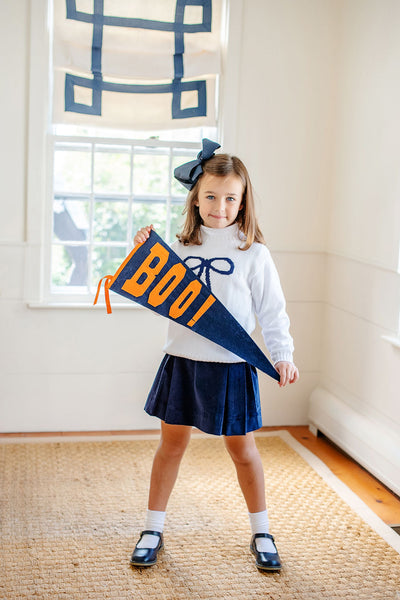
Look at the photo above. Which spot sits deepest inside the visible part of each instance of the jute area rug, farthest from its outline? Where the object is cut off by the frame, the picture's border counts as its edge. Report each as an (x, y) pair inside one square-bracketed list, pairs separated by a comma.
[(71, 512)]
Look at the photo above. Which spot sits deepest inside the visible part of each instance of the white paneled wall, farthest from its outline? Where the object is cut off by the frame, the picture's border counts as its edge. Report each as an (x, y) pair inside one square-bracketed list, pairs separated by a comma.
[(14, 48), (359, 369), (301, 275), (286, 112), (287, 61)]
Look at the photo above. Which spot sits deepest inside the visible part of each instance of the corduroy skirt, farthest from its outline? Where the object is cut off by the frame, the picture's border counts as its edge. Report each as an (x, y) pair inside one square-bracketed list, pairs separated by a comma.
[(217, 398)]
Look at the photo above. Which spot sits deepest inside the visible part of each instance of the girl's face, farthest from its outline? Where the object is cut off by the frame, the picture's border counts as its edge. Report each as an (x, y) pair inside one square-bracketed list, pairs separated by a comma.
[(219, 200)]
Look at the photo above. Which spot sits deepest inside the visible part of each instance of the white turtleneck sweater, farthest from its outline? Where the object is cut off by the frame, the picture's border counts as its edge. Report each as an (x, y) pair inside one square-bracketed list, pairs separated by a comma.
[(251, 289)]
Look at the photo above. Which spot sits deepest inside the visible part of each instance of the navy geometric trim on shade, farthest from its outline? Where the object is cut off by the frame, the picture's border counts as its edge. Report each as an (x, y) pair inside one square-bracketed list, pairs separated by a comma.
[(97, 85), (176, 87), (98, 17)]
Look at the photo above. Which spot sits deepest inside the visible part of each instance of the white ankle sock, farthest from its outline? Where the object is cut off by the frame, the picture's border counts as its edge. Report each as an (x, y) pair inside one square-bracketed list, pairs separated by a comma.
[(154, 522), (260, 524)]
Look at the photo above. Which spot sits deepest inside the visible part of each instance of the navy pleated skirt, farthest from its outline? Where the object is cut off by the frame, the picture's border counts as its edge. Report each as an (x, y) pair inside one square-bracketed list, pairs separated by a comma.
[(217, 398)]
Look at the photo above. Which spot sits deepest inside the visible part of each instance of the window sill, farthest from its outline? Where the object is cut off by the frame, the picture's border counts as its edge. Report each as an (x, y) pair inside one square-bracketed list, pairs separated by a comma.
[(392, 339)]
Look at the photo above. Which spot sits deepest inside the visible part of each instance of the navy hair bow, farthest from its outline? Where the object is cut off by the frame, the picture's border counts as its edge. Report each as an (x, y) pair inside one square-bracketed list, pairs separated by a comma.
[(188, 173)]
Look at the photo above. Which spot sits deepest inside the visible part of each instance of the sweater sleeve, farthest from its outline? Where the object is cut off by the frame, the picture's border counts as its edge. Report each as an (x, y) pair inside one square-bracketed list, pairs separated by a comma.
[(270, 307)]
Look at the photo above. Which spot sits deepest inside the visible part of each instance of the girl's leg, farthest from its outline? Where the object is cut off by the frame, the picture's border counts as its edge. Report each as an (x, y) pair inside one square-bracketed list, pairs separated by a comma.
[(173, 443), (249, 469), (250, 473)]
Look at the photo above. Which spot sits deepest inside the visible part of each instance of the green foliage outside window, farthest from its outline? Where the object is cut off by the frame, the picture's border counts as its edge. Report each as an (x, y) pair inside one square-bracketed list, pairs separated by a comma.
[(114, 213)]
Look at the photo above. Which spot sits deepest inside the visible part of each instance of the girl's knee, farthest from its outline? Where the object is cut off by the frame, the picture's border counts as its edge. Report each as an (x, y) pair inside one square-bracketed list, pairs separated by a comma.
[(174, 440), (242, 449), (173, 449)]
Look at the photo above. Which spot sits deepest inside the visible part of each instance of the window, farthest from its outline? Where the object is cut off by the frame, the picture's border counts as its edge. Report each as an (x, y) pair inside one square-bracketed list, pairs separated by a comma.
[(120, 67), (81, 214), (104, 190)]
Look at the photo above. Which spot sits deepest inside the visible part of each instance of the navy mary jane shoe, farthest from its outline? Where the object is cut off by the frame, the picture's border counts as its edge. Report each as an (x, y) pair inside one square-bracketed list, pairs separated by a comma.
[(146, 557), (266, 561)]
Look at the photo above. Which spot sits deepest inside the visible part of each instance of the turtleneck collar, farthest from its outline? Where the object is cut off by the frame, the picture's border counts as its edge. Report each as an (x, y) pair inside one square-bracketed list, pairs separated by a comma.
[(232, 231)]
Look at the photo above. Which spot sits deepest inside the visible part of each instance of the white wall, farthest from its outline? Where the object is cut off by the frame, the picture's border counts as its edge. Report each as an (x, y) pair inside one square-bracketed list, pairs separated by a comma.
[(363, 285), (286, 106), (80, 369)]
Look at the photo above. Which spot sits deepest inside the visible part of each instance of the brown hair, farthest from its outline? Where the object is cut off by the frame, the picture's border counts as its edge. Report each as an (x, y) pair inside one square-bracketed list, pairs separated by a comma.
[(222, 165)]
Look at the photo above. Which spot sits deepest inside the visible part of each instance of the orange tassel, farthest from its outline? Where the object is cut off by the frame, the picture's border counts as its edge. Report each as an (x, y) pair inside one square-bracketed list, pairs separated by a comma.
[(107, 283)]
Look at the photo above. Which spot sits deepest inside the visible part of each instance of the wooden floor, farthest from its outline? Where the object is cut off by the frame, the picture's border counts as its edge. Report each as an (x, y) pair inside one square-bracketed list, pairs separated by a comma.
[(383, 502)]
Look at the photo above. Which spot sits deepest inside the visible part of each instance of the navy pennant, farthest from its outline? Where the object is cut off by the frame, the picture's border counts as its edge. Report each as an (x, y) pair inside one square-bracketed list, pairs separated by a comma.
[(154, 276)]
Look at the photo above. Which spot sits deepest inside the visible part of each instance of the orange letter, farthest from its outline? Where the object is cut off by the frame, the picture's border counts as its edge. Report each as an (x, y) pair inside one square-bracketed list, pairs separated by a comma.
[(167, 284), (146, 272), (203, 308), (185, 299)]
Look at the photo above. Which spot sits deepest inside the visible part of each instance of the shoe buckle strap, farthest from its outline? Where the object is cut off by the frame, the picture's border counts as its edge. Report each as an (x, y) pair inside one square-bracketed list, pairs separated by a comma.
[(148, 532), (264, 535)]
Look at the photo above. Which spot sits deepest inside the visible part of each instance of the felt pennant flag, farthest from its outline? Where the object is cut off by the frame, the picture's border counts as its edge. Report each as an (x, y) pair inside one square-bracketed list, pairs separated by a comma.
[(154, 276)]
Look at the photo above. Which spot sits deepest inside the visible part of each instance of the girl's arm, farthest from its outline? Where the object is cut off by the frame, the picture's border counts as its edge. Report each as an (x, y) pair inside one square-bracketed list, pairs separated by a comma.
[(270, 307)]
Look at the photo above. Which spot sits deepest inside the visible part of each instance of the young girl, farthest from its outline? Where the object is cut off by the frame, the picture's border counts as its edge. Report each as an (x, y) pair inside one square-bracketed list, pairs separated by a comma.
[(199, 383)]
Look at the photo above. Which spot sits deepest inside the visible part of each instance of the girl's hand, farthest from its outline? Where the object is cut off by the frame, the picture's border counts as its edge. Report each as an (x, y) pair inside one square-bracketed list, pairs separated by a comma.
[(288, 371), (142, 235)]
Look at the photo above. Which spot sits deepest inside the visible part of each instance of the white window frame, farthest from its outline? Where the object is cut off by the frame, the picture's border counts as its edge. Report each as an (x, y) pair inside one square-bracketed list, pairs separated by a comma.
[(132, 148), (40, 144)]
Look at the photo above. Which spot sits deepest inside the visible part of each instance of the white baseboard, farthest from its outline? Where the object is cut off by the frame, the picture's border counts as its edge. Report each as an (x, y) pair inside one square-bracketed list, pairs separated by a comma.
[(372, 444)]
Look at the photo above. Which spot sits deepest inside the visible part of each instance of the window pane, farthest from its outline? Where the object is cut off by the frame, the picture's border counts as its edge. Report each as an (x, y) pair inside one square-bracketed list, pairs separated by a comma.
[(106, 261), (69, 265), (150, 174), (177, 220), (110, 221), (72, 171), (111, 172), (70, 220), (146, 214)]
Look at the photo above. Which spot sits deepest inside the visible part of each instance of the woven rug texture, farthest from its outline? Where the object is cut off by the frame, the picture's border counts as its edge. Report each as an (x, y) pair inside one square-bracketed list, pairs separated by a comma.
[(71, 513)]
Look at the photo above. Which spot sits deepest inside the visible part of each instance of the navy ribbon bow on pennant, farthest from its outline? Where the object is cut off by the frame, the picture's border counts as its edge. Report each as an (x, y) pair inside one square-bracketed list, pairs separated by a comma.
[(205, 265), (188, 173)]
